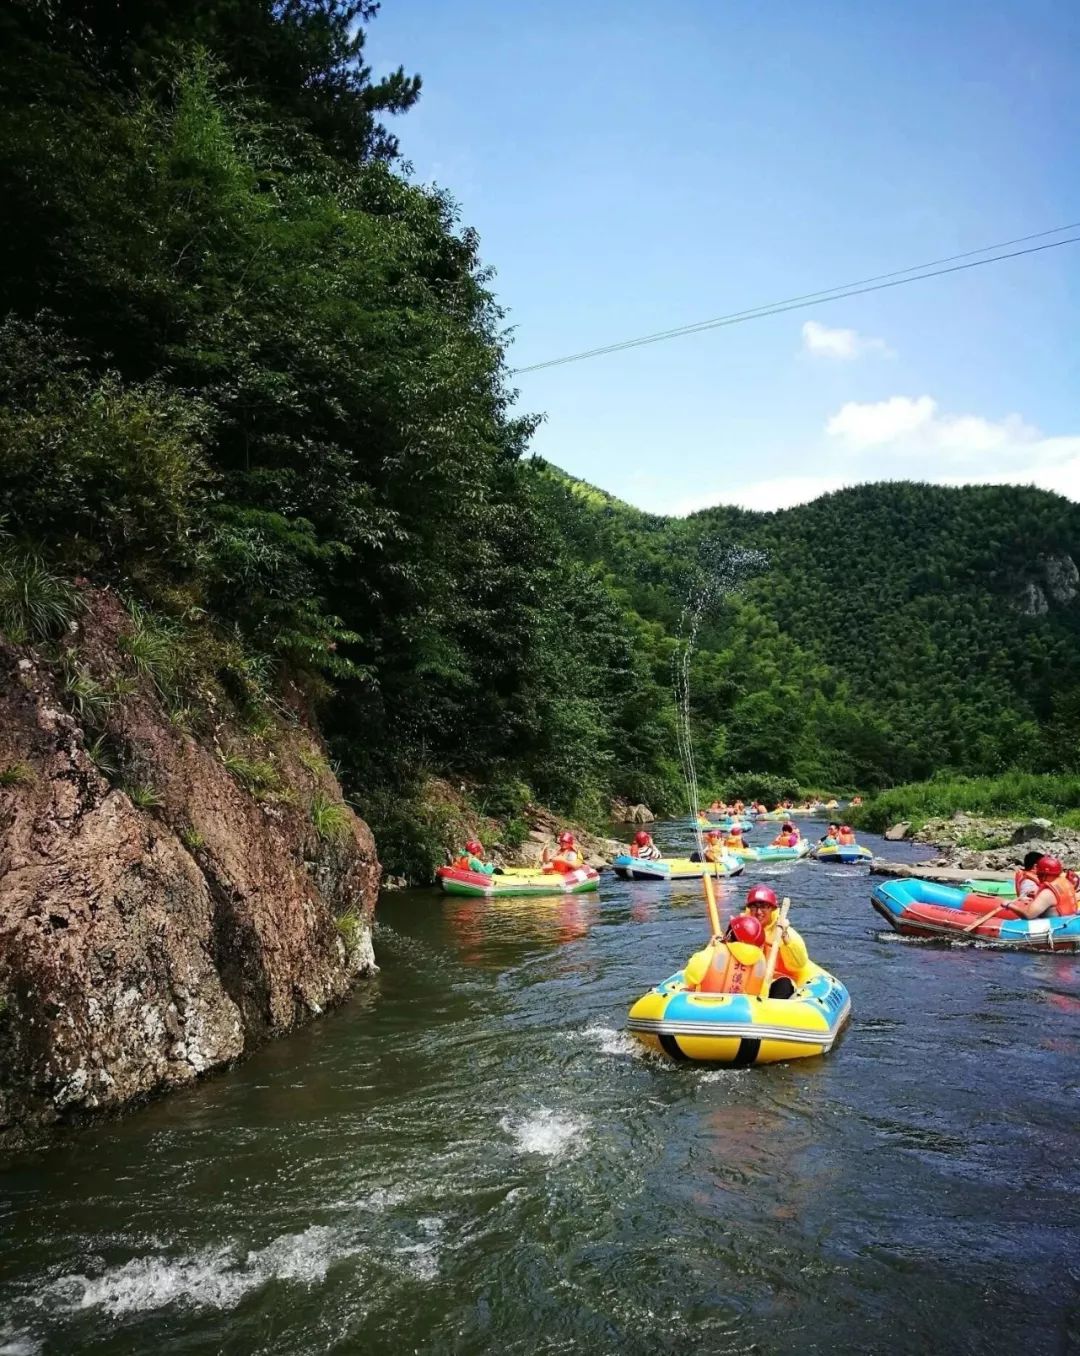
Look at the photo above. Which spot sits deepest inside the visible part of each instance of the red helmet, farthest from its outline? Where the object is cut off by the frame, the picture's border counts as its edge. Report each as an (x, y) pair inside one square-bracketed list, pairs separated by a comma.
[(744, 928), (1048, 868), (735, 828), (761, 894), (845, 828), (566, 839), (474, 846), (641, 837), (713, 833)]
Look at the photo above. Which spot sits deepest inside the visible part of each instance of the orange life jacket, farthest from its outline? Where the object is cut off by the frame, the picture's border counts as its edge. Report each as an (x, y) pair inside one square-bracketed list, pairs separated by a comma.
[(1022, 877), (728, 974), (1064, 895), (786, 840), (461, 863)]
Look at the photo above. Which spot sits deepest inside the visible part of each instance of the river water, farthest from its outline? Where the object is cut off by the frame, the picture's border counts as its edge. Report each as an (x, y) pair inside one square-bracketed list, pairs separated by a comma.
[(473, 1156)]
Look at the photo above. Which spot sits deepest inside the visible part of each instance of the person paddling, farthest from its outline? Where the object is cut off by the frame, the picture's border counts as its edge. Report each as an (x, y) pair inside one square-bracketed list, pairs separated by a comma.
[(567, 858), (793, 959), (1055, 897)]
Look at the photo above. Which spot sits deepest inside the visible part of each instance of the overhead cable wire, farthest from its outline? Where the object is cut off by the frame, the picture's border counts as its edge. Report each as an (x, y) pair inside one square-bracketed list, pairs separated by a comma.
[(878, 283)]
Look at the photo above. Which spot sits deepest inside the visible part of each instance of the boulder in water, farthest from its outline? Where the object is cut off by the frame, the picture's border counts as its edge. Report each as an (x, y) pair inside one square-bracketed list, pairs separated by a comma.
[(898, 832)]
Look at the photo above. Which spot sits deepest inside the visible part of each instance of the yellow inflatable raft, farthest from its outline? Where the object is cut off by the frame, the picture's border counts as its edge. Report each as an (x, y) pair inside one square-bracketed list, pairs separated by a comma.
[(739, 1029)]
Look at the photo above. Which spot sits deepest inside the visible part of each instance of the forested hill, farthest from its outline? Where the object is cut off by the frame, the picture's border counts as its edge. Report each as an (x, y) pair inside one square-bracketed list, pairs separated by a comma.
[(252, 380), (939, 628)]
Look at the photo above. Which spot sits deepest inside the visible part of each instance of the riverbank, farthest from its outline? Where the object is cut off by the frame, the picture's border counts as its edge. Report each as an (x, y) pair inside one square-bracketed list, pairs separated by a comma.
[(175, 888), (964, 843)]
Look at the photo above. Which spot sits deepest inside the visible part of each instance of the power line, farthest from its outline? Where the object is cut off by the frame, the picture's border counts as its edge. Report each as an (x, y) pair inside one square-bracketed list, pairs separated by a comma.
[(878, 283)]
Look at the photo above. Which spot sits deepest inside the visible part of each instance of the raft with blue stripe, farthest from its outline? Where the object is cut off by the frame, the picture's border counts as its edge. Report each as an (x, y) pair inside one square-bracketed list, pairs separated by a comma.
[(740, 1029), (848, 853), (922, 908), (627, 867)]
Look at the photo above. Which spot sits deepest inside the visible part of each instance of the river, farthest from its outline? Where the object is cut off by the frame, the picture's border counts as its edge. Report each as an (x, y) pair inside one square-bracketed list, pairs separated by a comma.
[(473, 1156)]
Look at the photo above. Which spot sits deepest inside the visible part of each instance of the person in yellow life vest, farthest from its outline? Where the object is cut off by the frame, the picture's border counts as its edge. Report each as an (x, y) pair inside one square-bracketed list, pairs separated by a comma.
[(712, 845), (1055, 897), (788, 835), (792, 960), (644, 847), (471, 859), (846, 836), (566, 858), (734, 963), (734, 840)]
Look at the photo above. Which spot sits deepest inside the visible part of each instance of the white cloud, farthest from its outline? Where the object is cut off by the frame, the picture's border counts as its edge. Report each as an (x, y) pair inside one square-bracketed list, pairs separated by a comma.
[(844, 344), (914, 424), (901, 438)]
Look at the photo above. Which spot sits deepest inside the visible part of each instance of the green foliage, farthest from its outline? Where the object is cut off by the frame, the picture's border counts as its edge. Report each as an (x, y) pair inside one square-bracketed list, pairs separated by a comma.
[(16, 774), (330, 818), (192, 839), (145, 797), (90, 700), (314, 761), (255, 775), (35, 603), (1014, 794), (350, 926), (103, 753), (157, 649), (254, 379)]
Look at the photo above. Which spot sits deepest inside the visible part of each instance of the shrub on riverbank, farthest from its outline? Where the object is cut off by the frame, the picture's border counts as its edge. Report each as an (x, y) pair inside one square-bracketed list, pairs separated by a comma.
[(1029, 795)]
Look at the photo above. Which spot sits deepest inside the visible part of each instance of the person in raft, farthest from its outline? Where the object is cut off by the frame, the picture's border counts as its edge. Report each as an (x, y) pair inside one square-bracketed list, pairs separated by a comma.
[(471, 858), (846, 836), (713, 845), (1055, 897), (644, 847), (788, 835), (734, 963), (793, 959), (831, 834), (566, 858), (734, 840)]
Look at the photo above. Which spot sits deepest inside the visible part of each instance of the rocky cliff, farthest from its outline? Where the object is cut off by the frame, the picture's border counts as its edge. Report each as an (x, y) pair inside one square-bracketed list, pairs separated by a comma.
[(172, 892)]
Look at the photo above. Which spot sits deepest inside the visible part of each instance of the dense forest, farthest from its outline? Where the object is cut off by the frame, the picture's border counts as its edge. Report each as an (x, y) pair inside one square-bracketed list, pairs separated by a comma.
[(253, 378)]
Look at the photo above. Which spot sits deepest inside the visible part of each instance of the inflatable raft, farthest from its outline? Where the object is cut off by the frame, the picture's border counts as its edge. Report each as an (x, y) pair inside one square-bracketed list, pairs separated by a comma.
[(768, 853), (850, 852), (740, 1030), (673, 868), (517, 880), (919, 908)]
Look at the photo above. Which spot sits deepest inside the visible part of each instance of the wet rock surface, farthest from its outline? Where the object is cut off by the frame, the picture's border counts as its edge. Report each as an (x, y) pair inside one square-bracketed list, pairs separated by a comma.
[(143, 944)]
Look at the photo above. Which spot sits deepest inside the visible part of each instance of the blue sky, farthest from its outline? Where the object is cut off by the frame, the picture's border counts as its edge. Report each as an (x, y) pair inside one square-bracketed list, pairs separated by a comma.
[(632, 167)]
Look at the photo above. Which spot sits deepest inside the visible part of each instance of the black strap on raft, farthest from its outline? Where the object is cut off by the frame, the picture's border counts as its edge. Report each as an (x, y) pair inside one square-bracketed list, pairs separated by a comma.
[(747, 1053)]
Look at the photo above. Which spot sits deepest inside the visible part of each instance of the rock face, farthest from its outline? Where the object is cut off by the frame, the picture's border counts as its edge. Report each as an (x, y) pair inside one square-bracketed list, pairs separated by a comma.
[(624, 813), (898, 832), (143, 944), (1062, 578)]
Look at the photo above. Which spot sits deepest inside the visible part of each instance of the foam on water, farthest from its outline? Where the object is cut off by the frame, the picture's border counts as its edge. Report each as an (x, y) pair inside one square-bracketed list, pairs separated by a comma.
[(547, 1132), (614, 1042), (13, 1343), (216, 1278)]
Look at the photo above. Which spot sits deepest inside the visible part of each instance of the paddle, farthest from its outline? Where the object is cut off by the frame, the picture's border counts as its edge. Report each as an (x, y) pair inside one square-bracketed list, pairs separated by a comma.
[(984, 916), (710, 900), (774, 950)]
